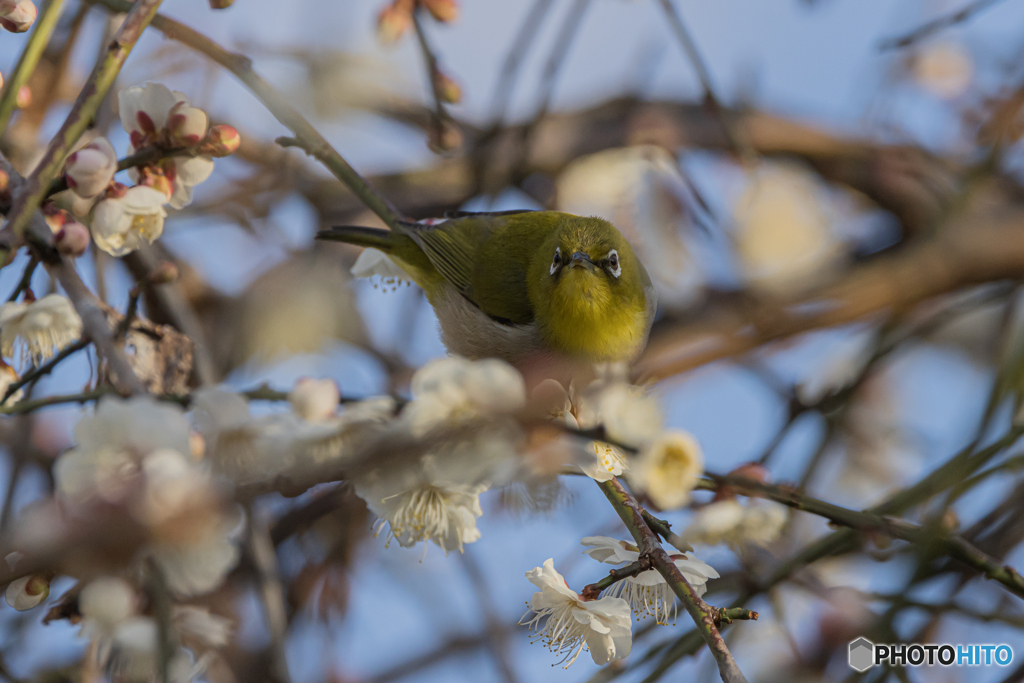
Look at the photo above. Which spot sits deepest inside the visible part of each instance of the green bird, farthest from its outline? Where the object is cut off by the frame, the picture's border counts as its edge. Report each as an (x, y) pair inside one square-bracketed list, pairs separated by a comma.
[(524, 286)]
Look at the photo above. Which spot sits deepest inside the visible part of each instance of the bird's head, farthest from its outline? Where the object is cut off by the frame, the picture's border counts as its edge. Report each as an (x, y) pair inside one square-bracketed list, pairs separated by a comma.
[(585, 281)]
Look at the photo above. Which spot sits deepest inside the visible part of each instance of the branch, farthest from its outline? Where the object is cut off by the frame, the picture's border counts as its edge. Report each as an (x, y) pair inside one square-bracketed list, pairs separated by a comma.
[(305, 135), (29, 58), (703, 615), (593, 590), (31, 194), (45, 369), (936, 25)]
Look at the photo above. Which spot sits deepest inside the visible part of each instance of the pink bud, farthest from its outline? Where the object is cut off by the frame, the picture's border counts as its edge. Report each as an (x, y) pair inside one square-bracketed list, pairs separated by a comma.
[(55, 218), (221, 141), (393, 21), (73, 239), (24, 98), (90, 169), (441, 10), (186, 124), (17, 16)]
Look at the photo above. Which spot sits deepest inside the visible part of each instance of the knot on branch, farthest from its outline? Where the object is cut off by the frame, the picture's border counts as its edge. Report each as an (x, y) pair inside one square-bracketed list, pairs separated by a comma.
[(727, 615)]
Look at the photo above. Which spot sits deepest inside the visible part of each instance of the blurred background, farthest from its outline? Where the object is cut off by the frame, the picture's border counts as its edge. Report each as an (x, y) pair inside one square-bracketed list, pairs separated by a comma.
[(796, 154)]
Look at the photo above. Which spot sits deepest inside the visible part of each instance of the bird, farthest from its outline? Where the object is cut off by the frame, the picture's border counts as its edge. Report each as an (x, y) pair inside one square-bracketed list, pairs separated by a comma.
[(524, 286)]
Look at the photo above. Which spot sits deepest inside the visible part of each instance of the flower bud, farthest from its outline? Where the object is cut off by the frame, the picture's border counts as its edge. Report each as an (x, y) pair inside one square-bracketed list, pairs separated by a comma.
[(447, 90), (17, 16), (72, 239), (154, 177), (442, 10), (221, 141), (393, 21), (186, 124), (164, 274), (90, 169), (444, 137), (27, 592), (5, 180), (24, 98), (314, 399), (55, 218)]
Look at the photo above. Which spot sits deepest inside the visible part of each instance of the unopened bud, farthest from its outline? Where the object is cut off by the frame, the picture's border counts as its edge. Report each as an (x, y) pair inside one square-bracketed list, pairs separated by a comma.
[(447, 90), (154, 177), (72, 239), (314, 399), (444, 137), (221, 141), (393, 21), (27, 592), (17, 16), (442, 10), (55, 217), (187, 124), (115, 190), (24, 97), (90, 169), (163, 274)]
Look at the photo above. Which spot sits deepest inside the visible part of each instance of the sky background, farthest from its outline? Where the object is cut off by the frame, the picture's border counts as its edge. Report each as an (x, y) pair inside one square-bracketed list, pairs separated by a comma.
[(818, 63)]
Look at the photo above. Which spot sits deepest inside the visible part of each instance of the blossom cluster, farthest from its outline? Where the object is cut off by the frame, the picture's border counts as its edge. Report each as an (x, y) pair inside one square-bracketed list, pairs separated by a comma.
[(123, 218), (17, 16)]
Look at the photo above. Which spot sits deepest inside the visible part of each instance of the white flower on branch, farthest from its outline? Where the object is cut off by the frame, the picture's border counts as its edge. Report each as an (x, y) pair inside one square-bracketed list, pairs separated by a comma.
[(630, 415), (759, 522), (17, 16), (609, 461), (647, 593), (104, 603), (315, 400), (124, 220), (38, 327), (27, 592), (566, 623), (667, 469), (453, 390), (135, 655), (199, 629), (91, 169)]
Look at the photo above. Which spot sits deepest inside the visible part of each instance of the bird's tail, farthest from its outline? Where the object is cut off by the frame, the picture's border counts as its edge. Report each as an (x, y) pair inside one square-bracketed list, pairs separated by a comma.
[(385, 240)]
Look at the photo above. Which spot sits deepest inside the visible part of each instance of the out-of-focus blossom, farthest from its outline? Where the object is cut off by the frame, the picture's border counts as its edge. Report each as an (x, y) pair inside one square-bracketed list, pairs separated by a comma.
[(566, 623), (91, 169), (434, 501), (55, 216), (759, 522), (104, 603), (454, 389), (647, 593), (17, 16), (38, 327), (630, 415), (944, 69), (200, 629), (24, 97), (784, 238), (8, 376), (72, 239), (843, 365), (315, 399), (442, 10), (27, 592), (121, 224), (373, 262), (668, 468), (394, 20), (640, 190)]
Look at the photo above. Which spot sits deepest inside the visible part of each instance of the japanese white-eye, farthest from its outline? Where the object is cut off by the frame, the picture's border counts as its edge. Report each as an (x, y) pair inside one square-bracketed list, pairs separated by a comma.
[(522, 285)]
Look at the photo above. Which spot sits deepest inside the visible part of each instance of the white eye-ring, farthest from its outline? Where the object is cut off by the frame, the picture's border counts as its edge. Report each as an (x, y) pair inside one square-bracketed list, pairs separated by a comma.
[(557, 261), (614, 267)]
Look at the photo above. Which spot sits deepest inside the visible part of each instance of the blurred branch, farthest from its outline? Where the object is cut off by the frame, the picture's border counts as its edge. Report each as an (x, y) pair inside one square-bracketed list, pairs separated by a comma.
[(45, 369), (306, 136), (41, 32), (932, 27), (528, 31), (272, 594), (703, 615)]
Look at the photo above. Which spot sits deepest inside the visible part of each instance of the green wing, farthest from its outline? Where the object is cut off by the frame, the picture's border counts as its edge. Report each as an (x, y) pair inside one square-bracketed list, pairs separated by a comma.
[(486, 256)]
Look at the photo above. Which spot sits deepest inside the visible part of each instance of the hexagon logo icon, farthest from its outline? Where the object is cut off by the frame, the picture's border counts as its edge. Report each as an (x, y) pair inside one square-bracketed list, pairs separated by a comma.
[(862, 654)]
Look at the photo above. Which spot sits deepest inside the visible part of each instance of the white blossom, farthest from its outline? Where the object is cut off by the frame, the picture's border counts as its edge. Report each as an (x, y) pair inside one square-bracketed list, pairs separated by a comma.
[(566, 623), (648, 593), (17, 16), (784, 236), (196, 625), (944, 69), (630, 415), (668, 468), (120, 225), (759, 522), (38, 327), (90, 169), (104, 603), (609, 461), (27, 592), (315, 400), (8, 376)]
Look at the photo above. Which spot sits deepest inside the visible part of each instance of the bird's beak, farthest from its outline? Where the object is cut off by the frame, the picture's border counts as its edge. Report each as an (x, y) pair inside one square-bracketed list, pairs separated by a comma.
[(581, 259)]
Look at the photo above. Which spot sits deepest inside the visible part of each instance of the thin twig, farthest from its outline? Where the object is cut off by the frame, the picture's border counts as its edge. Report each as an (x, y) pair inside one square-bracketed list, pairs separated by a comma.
[(26, 277), (936, 25), (261, 547), (45, 369), (41, 32)]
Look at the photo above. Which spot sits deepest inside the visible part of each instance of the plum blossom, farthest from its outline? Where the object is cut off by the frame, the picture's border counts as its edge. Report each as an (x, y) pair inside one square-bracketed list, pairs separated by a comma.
[(630, 415), (759, 522), (647, 593), (567, 623), (667, 469), (123, 221), (17, 16), (38, 327), (91, 169), (609, 461), (27, 592), (314, 400)]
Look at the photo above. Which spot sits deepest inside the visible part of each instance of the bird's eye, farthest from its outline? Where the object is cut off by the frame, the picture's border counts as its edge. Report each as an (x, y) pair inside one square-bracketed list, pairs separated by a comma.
[(557, 261), (614, 267)]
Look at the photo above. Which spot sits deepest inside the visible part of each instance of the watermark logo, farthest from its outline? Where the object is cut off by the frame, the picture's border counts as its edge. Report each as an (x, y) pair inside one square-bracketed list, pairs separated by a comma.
[(863, 654)]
